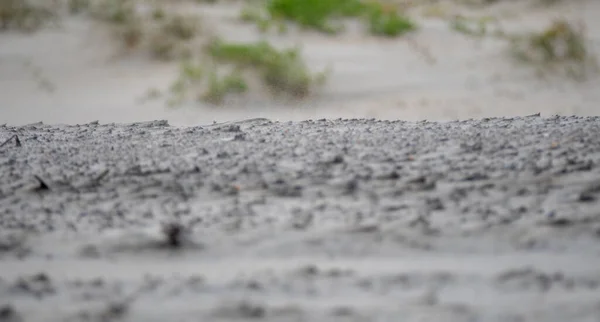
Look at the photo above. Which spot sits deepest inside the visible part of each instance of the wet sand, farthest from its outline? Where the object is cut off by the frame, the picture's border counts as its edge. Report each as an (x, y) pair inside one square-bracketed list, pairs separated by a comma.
[(345, 220)]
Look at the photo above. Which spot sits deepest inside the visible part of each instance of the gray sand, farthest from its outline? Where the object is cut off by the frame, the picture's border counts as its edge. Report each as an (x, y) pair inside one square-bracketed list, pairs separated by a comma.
[(345, 220)]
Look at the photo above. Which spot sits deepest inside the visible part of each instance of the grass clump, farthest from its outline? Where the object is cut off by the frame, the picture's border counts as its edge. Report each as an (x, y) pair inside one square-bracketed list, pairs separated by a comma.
[(173, 36), (282, 71), (180, 26), (561, 45), (315, 14), (475, 27), (260, 18), (464, 26), (327, 15), (78, 6), (385, 21), (220, 87), (117, 12), (164, 35), (27, 15), (223, 68), (191, 75), (205, 78), (127, 24)]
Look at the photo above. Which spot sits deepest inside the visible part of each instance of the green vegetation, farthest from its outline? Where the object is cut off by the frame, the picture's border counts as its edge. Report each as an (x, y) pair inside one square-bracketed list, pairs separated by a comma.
[(327, 15), (212, 70), (315, 14), (26, 15), (221, 87), (172, 37), (283, 71), (463, 25), (214, 87), (180, 26), (387, 22), (193, 76), (166, 36), (190, 76), (561, 46), (260, 18), (476, 27)]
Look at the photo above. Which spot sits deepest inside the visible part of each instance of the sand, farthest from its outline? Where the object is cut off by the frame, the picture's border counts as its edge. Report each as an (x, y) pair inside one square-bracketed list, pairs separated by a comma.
[(75, 73), (282, 218), (331, 220)]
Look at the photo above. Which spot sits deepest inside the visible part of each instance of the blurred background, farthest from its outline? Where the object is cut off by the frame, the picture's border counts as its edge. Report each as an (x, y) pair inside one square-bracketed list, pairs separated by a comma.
[(194, 62)]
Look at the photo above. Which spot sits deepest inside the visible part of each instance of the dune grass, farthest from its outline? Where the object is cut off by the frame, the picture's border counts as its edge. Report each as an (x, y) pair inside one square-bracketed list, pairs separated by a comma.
[(219, 87), (386, 21), (327, 16), (227, 68), (215, 69), (282, 71), (561, 47), (173, 36), (315, 14)]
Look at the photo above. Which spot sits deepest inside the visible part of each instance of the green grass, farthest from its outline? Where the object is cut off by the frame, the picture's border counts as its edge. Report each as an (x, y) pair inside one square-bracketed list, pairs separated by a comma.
[(464, 26), (561, 46), (170, 36), (257, 16), (387, 22), (476, 27), (282, 71), (327, 16), (315, 14), (191, 76), (220, 87), (210, 73), (205, 78), (182, 27)]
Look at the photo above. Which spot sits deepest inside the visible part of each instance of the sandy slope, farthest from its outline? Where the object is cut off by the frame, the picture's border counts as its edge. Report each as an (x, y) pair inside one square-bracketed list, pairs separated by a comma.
[(356, 220), (435, 74)]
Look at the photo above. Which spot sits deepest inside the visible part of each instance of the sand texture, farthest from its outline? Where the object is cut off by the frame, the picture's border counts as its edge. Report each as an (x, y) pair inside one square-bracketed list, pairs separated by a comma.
[(332, 220)]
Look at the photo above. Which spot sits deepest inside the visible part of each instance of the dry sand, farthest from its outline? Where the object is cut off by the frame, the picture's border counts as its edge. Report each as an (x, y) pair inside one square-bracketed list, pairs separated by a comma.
[(435, 73), (348, 220), (333, 220)]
